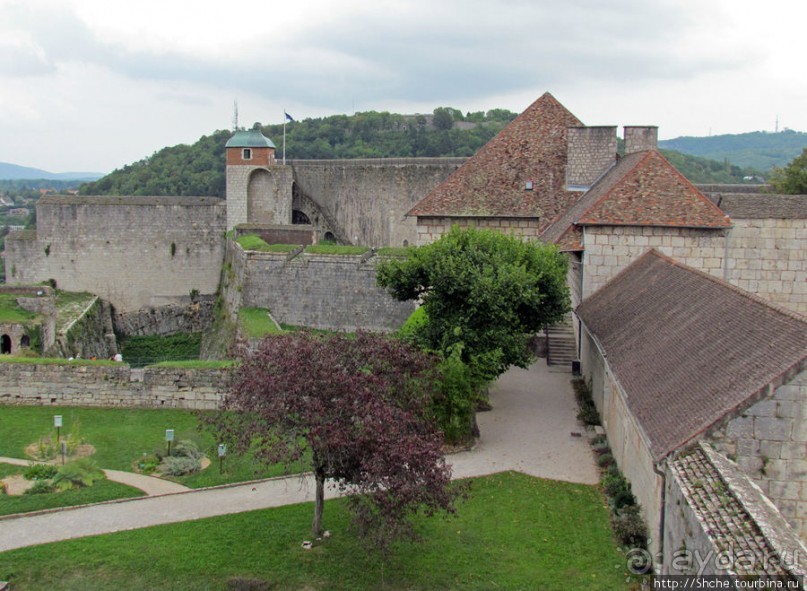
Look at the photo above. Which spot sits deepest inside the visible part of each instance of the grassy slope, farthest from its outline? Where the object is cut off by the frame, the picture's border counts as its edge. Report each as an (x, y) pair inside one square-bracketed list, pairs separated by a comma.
[(515, 532)]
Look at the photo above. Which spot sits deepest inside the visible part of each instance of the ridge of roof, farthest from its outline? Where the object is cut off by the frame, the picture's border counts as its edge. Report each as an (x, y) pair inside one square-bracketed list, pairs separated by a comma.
[(628, 201), (491, 183)]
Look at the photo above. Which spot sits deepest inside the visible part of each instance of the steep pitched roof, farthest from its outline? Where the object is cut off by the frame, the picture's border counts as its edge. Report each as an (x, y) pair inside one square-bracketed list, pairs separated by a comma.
[(653, 193), (562, 230), (689, 349), (533, 148)]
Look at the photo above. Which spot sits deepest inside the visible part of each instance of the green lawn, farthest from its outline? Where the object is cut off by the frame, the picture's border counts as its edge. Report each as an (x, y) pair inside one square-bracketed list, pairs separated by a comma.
[(257, 322), (11, 312), (514, 532), (103, 490), (121, 436)]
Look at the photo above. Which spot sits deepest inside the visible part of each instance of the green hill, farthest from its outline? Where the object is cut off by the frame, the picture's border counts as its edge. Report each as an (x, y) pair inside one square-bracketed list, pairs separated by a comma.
[(198, 169), (759, 149)]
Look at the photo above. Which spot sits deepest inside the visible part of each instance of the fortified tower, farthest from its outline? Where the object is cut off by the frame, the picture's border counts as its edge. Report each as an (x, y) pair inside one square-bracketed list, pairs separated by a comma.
[(258, 190)]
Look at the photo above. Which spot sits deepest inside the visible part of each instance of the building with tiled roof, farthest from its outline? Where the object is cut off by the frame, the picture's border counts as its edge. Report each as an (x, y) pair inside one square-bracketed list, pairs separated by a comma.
[(516, 181), (675, 355)]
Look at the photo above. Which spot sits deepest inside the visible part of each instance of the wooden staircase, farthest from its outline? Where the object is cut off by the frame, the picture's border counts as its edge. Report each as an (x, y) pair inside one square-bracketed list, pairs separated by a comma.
[(560, 343)]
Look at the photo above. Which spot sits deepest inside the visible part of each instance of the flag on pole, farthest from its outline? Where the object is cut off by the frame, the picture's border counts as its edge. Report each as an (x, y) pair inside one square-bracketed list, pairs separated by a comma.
[(288, 117)]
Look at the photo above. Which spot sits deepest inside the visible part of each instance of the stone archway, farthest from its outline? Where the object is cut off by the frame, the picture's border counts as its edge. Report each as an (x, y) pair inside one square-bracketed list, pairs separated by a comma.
[(5, 345)]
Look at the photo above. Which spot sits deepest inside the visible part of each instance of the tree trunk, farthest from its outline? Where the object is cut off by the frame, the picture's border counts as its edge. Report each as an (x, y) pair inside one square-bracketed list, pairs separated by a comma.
[(319, 503)]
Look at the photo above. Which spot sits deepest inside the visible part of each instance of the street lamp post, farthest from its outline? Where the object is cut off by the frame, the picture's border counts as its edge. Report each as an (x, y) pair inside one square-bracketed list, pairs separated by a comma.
[(222, 453), (169, 437), (57, 422)]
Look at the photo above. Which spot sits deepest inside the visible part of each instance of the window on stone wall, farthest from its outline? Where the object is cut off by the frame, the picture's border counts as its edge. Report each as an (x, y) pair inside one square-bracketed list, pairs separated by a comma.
[(246, 154), (25, 341)]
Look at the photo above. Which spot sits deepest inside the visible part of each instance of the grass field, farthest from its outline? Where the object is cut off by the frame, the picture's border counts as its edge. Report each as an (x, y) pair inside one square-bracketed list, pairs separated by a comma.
[(121, 436), (103, 490), (514, 532)]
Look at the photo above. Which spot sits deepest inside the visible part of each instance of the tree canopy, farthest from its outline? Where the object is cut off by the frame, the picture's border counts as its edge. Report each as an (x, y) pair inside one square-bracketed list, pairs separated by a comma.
[(357, 407), (792, 179), (483, 292)]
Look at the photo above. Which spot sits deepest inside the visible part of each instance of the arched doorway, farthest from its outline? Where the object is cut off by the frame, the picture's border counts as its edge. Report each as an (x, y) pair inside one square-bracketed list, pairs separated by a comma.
[(5, 345), (299, 217), (329, 237), (25, 341)]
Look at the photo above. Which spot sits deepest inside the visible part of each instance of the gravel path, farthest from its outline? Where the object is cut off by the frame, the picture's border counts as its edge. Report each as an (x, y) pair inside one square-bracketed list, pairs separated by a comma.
[(530, 429)]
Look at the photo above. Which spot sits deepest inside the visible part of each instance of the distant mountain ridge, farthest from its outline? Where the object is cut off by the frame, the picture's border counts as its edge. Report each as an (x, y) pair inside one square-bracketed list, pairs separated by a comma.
[(14, 172), (758, 149)]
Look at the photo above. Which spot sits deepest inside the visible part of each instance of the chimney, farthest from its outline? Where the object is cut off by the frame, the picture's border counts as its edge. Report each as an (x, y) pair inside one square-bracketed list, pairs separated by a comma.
[(590, 152), (640, 138)]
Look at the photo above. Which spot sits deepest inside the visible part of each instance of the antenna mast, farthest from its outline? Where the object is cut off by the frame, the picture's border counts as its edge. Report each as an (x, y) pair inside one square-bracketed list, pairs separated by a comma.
[(235, 115)]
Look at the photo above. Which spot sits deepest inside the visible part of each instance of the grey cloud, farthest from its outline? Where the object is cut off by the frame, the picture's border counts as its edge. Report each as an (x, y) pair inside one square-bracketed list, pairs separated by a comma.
[(446, 52)]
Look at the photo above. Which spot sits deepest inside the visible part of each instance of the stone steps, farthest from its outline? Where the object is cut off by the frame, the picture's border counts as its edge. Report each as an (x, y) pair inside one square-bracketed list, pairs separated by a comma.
[(561, 344)]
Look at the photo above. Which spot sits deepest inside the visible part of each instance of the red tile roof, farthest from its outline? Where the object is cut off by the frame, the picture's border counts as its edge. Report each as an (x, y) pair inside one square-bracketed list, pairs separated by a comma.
[(492, 183), (652, 193), (688, 349)]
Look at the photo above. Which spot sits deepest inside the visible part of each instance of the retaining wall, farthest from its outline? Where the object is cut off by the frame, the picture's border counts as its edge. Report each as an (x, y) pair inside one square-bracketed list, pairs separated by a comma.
[(110, 386)]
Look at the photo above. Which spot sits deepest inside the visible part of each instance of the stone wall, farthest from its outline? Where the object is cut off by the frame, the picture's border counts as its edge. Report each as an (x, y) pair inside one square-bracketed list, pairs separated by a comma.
[(430, 229), (72, 384), (90, 335), (767, 258), (769, 443), (132, 251), (190, 316), (609, 249), (626, 439), (366, 201), (336, 292)]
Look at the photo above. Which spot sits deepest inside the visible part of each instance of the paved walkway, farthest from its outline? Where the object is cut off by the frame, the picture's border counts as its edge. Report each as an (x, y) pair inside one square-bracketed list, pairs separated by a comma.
[(148, 484), (529, 430)]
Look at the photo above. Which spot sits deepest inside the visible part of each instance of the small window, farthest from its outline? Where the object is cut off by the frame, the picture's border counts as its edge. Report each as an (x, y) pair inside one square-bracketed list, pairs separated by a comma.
[(528, 186), (247, 154)]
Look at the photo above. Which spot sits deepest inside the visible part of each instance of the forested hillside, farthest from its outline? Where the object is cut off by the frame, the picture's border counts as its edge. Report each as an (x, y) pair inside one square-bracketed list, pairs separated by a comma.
[(759, 149), (198, 169)]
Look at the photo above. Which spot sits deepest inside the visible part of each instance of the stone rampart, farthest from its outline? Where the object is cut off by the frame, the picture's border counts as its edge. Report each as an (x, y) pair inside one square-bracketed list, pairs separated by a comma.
[(367, 200), (74, 384), (132, 251), (336, 292)]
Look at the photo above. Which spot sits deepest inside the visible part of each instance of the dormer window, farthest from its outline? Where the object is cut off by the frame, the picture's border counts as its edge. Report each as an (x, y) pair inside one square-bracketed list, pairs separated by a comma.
[(246, 154), (528, 186)]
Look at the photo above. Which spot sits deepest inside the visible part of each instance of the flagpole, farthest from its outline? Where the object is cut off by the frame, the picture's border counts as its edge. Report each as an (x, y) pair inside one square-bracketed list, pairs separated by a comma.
[(284, 137)]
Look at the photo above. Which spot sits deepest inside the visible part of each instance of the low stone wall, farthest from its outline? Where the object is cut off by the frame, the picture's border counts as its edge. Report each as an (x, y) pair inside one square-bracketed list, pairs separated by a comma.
[(67, 384)]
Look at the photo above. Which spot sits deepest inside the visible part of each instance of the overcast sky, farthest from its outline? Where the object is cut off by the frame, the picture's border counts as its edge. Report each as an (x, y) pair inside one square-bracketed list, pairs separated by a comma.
[(92, 85)]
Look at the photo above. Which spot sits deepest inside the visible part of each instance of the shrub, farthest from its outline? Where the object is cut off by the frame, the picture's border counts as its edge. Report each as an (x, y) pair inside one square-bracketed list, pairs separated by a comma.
[(454, 402), (40, 487), (77, 474), (178, 466), (618, 490), (186, 448), (148, 464), (630, 528), (39, 472), (605, 460), (601, 447)]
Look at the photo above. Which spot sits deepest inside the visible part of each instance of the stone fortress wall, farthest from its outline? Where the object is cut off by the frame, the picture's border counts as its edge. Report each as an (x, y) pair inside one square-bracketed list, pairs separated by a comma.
[(135, 252)]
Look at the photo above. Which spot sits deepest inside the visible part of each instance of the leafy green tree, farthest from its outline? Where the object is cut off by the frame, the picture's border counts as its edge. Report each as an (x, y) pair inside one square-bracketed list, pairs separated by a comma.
[(792, 179), (482, 292), (443, 118)]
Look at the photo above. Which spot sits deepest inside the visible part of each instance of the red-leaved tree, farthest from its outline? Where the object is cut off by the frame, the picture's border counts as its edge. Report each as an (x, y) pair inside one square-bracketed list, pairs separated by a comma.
[(357, 407)]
